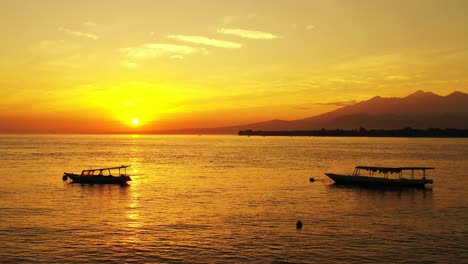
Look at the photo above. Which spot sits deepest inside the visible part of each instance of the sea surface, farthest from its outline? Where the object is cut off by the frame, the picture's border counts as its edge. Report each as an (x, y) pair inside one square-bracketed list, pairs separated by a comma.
[(229, 199)]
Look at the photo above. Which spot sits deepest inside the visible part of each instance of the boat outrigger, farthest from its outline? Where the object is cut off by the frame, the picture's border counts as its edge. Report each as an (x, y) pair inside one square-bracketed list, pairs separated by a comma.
[(379, 177), (100, 176)]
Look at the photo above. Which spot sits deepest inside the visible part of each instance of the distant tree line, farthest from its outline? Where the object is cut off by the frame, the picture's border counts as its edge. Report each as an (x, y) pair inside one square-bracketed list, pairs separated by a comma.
[(362, 132)]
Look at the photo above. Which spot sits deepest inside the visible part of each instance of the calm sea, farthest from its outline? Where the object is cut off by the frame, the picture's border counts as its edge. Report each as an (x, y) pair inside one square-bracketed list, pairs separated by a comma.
[(229, 199)]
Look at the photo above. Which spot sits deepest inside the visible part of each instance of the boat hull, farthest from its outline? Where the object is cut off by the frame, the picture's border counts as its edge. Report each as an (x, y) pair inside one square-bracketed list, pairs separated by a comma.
[(377, 181), (98, 179)]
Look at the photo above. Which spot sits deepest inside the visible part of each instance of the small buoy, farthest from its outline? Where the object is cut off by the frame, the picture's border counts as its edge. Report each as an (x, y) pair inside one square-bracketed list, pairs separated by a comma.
[(298, 225), (311, 179), (64, 177)]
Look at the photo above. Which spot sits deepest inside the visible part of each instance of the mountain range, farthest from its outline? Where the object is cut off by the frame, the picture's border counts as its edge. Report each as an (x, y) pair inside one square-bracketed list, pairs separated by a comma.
[(417, 110)]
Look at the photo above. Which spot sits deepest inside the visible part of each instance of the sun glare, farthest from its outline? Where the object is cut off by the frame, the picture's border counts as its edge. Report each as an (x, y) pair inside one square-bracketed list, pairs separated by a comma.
[(135, 121)]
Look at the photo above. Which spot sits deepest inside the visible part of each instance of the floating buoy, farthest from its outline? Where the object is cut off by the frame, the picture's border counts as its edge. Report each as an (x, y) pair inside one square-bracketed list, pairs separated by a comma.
[(311, 179), (299, 225)]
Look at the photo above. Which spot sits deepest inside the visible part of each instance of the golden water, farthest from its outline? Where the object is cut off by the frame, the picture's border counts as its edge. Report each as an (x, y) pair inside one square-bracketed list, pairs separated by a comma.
[(204, 199)]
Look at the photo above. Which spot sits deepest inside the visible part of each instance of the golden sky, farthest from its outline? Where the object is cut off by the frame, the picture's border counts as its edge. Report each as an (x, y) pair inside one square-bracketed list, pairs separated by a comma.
[(101, 66)]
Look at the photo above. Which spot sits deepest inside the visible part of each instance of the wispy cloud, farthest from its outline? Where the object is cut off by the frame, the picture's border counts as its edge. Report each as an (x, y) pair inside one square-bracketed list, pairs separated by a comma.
[(310, 27), (397, 78), (250, 34), (156, 50), (339, 103), (303, 108), (206, 41), (79, 34)]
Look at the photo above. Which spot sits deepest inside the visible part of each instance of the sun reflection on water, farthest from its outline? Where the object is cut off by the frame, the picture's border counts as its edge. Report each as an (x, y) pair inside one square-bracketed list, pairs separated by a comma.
[(200, 199), (133, 215)]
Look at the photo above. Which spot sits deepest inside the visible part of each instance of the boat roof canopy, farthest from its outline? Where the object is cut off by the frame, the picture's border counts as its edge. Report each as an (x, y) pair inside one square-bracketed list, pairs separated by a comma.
[(109, 168), (392, 169)]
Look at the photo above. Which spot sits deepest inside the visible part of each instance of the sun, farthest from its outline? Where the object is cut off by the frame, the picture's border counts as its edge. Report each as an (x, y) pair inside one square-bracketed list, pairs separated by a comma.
[(135, 121)]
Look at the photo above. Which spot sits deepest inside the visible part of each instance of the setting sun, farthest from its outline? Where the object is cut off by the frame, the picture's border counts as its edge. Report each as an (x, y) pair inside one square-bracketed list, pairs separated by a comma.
[(245, 62)]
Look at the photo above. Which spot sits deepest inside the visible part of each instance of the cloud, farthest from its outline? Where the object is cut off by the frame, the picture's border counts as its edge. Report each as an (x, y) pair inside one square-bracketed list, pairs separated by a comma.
[(381, 62), (310, 27), (207, 41), (250, 34), (78, 33), (303, 108), (156, 50), (397, 78), (338, 103)]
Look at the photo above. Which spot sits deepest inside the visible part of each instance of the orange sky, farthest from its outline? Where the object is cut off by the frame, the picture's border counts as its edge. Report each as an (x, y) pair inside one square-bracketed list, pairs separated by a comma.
[(94, 66)]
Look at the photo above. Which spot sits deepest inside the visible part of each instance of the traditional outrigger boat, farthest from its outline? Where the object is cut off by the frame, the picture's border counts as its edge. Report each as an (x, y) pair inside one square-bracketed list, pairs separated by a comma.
[(100, 176), (379, 177)]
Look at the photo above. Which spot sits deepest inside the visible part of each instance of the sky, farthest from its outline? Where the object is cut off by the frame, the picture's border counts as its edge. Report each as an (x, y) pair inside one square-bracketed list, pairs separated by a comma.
[(132, 66)]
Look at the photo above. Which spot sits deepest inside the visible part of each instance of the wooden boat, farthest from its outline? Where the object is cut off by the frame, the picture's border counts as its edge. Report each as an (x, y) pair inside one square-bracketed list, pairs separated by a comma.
[(100, 176), (379, 177)]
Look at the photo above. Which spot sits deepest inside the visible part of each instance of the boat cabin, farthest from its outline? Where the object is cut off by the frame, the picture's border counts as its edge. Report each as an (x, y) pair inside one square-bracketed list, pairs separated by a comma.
[(385, 171), (120, 171)]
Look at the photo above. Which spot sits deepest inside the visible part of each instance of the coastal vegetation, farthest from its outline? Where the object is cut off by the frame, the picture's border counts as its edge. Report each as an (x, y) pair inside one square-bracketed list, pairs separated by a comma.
[(362, 132)]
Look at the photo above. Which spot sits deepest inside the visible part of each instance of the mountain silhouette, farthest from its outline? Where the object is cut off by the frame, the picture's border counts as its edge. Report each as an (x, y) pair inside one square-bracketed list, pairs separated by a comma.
[(417, 110)]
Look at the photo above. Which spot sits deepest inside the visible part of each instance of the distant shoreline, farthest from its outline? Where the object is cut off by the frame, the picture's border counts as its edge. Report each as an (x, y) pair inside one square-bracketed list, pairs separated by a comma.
[(406, 132)]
